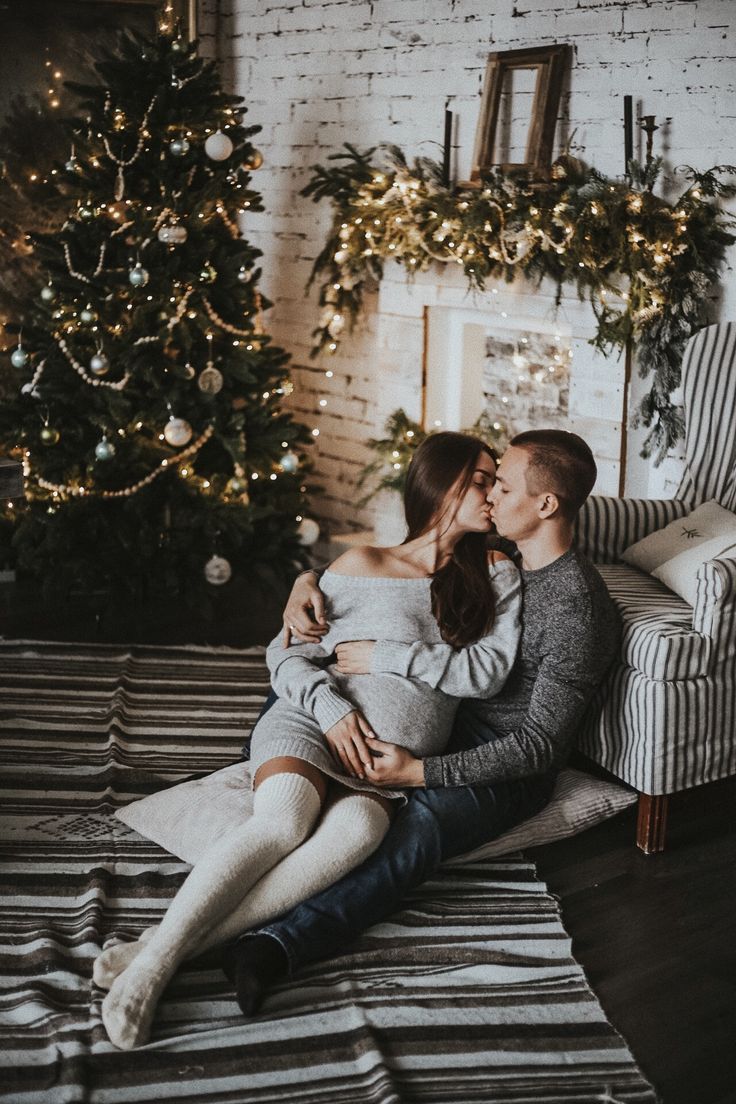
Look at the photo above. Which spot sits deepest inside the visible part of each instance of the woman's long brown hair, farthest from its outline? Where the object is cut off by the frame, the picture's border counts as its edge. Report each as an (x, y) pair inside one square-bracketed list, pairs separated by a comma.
[(462, 599)]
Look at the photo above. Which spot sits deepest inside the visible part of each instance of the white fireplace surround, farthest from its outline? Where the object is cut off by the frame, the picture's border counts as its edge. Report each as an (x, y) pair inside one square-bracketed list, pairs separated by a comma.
[(432, 336)]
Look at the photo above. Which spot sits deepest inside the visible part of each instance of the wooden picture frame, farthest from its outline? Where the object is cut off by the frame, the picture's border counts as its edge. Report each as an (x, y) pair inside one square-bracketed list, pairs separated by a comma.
[(550, 64)]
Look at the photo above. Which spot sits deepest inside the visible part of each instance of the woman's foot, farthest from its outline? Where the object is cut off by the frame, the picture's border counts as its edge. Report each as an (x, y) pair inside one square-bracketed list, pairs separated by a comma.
[(111, 962), (129, 1007), (254, 963)]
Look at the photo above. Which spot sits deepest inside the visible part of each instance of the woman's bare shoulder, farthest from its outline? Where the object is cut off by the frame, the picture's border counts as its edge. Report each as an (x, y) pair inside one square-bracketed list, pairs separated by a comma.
[(362, 560), (494, 557)]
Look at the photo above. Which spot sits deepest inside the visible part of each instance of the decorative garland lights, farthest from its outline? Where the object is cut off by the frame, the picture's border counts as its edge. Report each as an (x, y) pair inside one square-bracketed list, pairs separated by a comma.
[(645, 264)]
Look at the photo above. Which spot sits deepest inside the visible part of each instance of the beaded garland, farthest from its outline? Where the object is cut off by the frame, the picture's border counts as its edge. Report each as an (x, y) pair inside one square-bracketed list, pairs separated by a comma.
[(125, 163), (117, 385), (125, 492)]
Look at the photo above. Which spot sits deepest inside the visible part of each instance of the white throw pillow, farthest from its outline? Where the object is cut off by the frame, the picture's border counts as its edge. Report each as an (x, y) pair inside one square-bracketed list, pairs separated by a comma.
[(579, 801), (187, 819), (701, 529), (681, 572)]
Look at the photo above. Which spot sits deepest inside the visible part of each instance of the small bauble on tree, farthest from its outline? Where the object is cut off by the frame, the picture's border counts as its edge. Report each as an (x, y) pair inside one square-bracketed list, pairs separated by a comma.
[(308, 531), (19, 357), (253, 161), (177, 432), (218, 571), (218, 146)]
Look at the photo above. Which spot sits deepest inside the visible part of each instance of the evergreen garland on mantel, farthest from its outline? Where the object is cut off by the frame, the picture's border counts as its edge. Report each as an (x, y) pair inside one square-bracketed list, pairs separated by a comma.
[(645, 264)]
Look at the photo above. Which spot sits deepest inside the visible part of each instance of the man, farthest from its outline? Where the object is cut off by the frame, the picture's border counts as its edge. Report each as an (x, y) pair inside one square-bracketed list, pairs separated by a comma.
[(505, 752)]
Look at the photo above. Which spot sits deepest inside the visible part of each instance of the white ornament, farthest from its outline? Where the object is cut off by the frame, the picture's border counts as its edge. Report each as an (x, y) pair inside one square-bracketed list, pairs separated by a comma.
[(87, 315), (308, 531), (218, 146), (19, 357), (244, 274), (210, 380), (177, 432), (290, 462), (48, 293), (173, 234), (99, 364), (217, 570)]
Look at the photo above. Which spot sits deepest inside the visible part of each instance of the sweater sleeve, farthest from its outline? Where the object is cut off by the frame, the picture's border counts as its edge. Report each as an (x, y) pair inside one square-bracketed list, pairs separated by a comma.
[(572, 667), (478, 671), (298, 674)]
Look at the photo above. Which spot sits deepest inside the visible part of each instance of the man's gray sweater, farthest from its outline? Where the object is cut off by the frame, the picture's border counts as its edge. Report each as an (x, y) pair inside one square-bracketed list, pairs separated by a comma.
[(570, 635)]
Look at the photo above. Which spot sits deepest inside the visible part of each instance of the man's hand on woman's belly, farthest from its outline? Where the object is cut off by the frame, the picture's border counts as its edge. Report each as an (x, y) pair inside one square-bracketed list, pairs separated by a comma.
[(393, 765)]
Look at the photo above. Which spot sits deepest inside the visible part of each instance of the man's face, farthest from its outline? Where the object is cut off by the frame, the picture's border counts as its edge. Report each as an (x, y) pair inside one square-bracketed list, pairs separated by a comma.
[(514, 511)]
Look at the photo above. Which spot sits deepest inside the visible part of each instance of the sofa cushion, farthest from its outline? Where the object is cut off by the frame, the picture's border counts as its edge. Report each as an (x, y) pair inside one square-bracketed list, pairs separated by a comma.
[(658, 635), (700, 536)]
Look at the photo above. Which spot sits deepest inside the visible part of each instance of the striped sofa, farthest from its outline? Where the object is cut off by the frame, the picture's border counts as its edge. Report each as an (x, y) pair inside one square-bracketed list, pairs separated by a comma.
[(665, 720)]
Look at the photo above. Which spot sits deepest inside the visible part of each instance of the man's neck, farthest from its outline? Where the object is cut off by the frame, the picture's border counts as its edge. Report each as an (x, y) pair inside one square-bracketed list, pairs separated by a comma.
[(543, 549)]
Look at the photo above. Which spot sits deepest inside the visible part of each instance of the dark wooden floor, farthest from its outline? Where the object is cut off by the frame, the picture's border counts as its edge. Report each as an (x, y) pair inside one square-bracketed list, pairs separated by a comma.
[(656, 935), (657, 939)]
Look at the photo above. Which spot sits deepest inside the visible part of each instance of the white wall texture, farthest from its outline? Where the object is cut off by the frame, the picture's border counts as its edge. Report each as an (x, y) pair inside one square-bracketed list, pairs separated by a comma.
[(317, 73)]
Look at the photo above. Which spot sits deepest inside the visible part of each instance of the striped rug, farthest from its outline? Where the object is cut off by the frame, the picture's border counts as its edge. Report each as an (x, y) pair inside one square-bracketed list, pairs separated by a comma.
[(470, 994)]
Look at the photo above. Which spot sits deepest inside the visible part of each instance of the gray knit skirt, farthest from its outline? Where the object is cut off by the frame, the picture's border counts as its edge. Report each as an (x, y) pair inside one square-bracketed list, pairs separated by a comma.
[(400, 710)]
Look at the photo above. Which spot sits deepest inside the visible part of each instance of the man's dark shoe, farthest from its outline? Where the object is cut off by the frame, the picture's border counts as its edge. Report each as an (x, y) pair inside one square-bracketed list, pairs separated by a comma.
[(253, 964)]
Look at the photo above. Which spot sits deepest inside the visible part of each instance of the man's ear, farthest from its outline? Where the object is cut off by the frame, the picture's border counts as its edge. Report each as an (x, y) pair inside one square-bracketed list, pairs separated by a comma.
[(549, 505)]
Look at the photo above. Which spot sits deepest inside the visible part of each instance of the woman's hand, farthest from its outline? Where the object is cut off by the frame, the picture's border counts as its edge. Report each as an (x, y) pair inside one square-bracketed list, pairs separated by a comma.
[(393, 765), (354, 657), (304, 615), (347, 742)]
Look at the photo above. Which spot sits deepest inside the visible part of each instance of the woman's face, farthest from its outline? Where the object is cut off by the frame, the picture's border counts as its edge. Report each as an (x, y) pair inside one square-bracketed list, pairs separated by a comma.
[(471, 509)]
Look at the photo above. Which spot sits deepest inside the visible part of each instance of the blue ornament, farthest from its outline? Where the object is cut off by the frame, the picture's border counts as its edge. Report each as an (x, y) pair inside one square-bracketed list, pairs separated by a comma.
[(290, 462), (19, 357), (104, 449), (179, 147), (138, 276), (48, 293)]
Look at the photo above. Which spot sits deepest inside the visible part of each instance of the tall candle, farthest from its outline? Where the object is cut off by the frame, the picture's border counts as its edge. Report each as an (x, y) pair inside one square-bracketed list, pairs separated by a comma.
[(447, 148), (628, 132)]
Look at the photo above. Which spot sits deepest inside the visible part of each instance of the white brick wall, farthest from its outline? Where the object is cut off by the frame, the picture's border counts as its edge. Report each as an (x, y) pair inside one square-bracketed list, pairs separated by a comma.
[(316, 74)]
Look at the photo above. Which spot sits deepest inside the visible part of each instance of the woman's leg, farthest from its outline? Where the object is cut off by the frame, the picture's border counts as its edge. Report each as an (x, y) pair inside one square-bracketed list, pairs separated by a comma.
[(287, 802), (351, 828)]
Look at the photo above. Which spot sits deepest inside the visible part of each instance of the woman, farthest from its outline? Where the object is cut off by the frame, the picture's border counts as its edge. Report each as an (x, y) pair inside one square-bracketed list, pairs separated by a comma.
[(440, 585)]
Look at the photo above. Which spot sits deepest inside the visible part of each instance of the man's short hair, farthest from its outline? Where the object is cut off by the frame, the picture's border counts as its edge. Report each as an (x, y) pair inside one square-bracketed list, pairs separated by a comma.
[(559, 462)]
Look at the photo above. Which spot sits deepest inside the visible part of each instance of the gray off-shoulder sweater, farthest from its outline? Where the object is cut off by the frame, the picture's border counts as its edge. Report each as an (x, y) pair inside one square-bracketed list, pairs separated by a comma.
[(402, 709)]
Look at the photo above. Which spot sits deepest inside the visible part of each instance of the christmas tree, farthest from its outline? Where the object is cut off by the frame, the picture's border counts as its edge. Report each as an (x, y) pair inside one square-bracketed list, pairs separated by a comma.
[(145, 396)]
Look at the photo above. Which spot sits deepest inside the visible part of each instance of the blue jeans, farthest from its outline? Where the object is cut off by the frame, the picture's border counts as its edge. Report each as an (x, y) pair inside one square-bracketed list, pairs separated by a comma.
[(433, 826)]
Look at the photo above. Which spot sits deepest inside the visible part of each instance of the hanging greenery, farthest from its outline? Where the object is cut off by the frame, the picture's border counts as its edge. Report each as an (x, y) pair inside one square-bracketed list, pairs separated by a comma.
[(403, 436), (645, 264)]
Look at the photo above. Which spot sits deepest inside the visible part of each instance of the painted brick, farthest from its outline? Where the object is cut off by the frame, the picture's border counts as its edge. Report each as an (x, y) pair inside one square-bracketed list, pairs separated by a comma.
[(318, 74)]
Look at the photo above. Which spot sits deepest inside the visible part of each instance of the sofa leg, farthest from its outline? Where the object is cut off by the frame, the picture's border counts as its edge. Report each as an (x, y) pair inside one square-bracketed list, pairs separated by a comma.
[(651, 825)]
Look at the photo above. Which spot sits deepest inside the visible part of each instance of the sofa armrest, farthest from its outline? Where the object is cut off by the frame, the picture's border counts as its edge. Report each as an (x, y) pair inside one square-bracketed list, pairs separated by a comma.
[(714, 614), (606, 526)]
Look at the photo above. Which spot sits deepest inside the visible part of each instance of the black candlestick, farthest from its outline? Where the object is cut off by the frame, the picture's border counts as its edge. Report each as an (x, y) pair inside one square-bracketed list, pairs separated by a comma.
[(628, 132), (447, 149)]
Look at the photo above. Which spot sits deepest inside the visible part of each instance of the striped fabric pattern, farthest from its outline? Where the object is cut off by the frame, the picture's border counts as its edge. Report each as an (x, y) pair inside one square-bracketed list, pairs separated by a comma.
[(658, 635), (470, 994), (666, 719)]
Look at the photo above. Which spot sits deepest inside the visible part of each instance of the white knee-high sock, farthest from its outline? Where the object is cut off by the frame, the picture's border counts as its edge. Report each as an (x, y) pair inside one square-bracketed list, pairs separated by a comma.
[(349, 831), (285, 809)]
